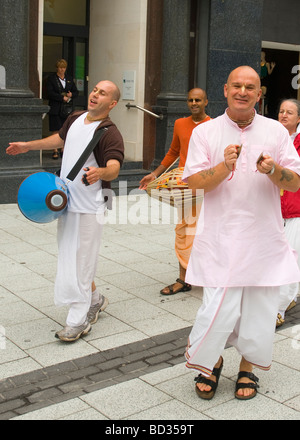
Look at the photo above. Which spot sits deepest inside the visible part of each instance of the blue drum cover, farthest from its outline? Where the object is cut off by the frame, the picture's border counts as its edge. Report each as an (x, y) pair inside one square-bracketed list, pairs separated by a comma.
[(42, 197)]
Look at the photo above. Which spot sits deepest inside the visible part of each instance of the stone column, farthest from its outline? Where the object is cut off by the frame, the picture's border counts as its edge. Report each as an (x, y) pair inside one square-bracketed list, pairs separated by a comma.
[(235, 34), (175, 73), (20, 112)]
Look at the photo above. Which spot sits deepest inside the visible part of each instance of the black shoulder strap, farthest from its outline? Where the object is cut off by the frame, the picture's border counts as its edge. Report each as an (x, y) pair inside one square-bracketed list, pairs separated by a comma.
[(86, 153), (59, 84)]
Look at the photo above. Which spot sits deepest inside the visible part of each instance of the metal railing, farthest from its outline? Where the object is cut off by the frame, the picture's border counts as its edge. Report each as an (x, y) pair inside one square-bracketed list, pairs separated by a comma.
[(145, 110)]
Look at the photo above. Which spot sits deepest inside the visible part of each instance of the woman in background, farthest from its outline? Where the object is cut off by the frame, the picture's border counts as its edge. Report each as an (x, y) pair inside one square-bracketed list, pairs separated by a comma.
[(61, 90)]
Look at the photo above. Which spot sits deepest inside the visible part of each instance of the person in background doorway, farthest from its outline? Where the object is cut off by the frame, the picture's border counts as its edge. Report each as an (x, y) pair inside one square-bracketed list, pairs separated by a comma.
[(266, 69), (61, 90)]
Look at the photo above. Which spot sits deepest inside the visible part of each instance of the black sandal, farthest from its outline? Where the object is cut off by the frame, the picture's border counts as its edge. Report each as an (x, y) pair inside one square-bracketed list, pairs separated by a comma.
[(185, 288), (207, 395), (253, 385)]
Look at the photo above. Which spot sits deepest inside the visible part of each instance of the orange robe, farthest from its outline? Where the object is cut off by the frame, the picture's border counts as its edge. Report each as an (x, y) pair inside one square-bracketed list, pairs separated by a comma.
[(185, 229)]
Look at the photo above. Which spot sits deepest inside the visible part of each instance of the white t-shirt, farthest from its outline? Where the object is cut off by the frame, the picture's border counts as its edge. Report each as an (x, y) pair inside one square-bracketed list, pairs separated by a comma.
[(242, 241), (82, 199)]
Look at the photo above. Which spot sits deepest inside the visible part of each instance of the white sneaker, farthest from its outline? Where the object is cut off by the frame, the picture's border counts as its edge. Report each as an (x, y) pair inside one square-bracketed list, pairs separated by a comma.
[(71, 334), (94, 311)]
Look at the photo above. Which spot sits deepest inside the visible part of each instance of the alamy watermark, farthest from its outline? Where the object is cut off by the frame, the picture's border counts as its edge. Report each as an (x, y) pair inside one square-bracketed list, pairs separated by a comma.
[(163, 207), (2, 338), (295, 80)]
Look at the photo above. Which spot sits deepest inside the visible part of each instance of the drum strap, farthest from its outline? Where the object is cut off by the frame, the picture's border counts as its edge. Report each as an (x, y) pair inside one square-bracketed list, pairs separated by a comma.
[(86, 153)]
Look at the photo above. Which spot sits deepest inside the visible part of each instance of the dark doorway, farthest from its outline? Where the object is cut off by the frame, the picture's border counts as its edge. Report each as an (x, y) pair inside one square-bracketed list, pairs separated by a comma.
[(66, 35), (279, 83)]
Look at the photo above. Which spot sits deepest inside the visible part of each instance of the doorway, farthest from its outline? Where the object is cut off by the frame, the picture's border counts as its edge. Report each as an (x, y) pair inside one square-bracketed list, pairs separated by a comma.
[(66, 35), (74, 50), (280, 82)]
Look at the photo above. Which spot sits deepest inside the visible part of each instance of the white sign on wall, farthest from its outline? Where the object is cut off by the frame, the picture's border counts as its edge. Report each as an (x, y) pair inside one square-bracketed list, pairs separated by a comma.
[(129, 85), (2, 77)]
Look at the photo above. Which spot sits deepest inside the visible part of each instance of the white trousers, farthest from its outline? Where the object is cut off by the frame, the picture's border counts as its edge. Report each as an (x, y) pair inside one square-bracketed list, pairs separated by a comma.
[(79, 237), (242, 317), (289, 292)]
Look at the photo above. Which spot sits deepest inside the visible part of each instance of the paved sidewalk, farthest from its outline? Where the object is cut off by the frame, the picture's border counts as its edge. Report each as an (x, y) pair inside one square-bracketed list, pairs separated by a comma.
[(131, 365)]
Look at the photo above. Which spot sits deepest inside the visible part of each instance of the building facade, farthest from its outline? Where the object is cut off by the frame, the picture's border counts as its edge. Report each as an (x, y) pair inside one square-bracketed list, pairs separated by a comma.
[(155, 50)]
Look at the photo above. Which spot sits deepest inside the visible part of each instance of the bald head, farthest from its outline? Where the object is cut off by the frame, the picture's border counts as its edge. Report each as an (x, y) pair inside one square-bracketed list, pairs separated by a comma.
[(114, 89), (244, 70), (198, 90)]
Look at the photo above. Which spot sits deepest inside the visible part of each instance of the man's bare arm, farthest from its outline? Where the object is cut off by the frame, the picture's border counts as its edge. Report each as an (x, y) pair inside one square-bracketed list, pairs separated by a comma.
[(49, 143), (209, 179), (281, 177)]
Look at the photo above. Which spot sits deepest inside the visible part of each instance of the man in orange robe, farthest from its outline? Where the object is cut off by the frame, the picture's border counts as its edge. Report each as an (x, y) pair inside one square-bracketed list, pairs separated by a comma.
[(185, 229)]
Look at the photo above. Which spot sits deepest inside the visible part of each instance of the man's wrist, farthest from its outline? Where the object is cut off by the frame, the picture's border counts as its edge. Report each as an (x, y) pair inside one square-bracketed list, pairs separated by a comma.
[(271, 171), (227, 166)]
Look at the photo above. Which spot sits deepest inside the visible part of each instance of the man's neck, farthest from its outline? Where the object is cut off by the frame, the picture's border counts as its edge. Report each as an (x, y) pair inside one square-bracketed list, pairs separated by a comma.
[(199, 118), (94, 117), (241, 119)]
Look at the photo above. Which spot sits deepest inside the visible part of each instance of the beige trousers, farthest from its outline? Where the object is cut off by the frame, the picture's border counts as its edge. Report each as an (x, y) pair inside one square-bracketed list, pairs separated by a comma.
[(185, 231)]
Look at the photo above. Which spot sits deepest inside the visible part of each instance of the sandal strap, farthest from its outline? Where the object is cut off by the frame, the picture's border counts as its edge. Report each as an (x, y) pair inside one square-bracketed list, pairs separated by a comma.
[(251, 385), (206, 381), (170, 287), (248, 374), (179, 280)]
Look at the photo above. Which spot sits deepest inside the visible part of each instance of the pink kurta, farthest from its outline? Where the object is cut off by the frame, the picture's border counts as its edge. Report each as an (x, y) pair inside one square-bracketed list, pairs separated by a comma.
[(240, 239)]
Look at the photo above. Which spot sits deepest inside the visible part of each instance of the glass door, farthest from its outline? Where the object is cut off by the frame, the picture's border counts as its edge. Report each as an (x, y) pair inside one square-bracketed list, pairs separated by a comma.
[(66, 35)]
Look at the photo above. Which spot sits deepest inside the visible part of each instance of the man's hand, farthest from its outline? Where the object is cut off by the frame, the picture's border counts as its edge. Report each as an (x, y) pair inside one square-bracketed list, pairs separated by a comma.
[(17, 148), (266, 164), (52, 142), (108, 173), (90, 176), (146, 180), (230, 156)]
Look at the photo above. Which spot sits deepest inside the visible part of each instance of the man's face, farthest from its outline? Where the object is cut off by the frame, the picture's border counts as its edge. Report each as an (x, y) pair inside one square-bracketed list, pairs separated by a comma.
[(197, 101), (242, 90), (101, 99)]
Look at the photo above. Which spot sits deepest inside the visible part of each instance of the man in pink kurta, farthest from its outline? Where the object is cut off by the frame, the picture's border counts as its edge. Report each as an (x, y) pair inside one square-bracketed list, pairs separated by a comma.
[(240, 254), (243, 241)]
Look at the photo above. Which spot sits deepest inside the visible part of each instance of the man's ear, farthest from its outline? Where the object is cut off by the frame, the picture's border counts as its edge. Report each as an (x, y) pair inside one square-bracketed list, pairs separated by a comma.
[(225, 90), (259, 95), (113, 104)]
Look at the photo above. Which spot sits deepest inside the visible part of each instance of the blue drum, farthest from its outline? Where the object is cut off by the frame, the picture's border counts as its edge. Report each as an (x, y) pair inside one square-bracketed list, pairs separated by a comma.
[(42, 197)]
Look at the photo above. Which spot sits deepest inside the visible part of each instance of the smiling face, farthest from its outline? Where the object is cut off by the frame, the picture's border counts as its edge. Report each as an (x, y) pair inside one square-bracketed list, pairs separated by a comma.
[(197, 101), (288, 116), (242, 92), (102, 99)]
